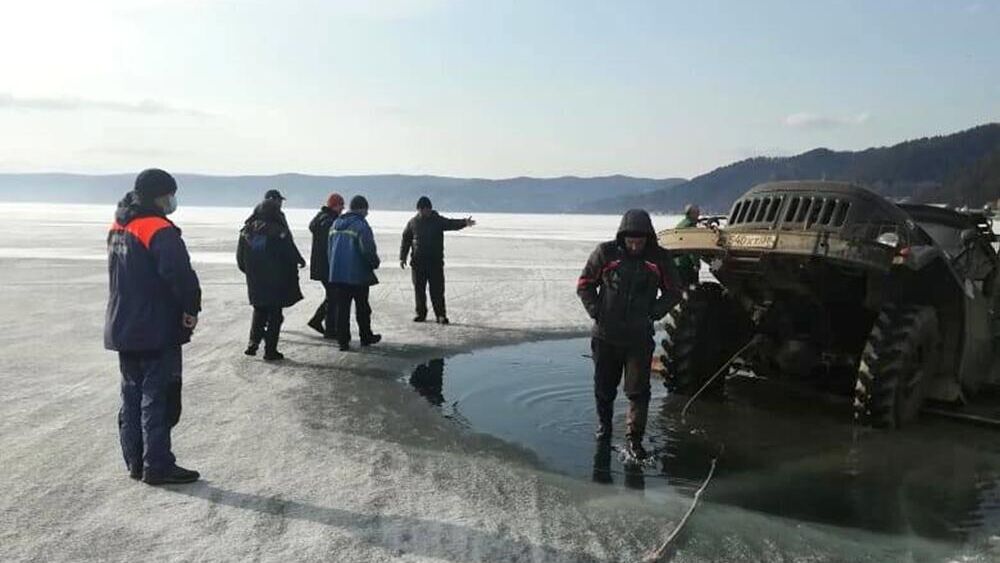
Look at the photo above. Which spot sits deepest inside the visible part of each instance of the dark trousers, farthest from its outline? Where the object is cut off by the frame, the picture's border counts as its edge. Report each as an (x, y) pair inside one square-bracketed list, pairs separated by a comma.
[(266, 326), (347, 293), (326, 314), (432, 274), (329, 311), (610, 362), (150, 391)]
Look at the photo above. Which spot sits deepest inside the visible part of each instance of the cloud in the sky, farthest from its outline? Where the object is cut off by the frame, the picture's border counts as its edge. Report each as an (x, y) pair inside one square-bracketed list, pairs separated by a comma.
[(142, 107), (806, 120)]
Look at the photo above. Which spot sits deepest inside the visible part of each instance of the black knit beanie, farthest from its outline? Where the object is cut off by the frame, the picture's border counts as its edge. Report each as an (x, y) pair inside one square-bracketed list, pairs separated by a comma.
[(358, 203), (153, 183), (424, 203)]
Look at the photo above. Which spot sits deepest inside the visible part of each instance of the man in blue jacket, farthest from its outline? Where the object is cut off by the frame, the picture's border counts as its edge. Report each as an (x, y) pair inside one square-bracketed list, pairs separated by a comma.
[(152, 310), (353, 261)]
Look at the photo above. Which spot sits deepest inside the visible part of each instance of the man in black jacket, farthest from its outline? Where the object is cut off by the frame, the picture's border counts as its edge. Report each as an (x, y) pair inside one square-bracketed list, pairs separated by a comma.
[(153, 308), (626, 285), (319, 265), (268, 256), (424, 234)]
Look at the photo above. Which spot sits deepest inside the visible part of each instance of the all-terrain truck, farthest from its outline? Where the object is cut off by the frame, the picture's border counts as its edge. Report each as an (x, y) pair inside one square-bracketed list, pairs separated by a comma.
[(827, 282)]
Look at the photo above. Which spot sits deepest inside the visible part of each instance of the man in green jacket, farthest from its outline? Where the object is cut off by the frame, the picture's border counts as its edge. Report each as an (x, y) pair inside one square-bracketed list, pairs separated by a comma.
[(688, 264)]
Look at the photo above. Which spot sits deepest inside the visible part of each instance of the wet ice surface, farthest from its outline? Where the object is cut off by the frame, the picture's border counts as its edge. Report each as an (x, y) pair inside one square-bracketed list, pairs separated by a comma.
[(326, 454), (787, 452)]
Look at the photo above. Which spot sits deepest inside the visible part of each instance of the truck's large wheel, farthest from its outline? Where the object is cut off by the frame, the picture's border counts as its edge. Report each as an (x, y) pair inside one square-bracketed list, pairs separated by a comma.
[(898, 361), (703, 331)]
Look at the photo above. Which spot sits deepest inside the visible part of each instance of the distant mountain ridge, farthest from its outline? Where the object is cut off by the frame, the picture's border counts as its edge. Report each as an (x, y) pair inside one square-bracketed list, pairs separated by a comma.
[(961, 168), (387, 191)]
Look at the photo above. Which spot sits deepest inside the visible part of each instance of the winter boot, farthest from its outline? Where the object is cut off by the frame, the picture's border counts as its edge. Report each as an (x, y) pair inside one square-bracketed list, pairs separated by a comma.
[(634, 450), (252, 348), (443, 320), (174, 476), (316, 322), (271, 352), (371, 339), (420, 318)]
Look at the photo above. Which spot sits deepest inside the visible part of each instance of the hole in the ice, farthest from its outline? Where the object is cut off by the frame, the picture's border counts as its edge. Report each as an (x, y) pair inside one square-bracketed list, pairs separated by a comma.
[(786, 454)]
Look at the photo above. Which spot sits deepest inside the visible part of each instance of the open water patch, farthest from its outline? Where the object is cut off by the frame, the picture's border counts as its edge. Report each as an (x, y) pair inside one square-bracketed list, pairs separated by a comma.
[(784, 452)]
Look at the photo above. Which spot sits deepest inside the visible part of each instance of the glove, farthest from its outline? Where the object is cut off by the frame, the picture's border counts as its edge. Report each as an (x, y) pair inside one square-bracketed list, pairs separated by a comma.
[(302, 263), (402, 264)]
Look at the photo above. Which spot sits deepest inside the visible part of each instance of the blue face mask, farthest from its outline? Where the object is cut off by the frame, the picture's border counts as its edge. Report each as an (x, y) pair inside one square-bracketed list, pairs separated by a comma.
[(168, 204)]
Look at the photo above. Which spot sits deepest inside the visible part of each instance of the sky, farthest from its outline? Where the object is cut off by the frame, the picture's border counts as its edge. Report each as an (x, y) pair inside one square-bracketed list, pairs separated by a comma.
[(487, 88)]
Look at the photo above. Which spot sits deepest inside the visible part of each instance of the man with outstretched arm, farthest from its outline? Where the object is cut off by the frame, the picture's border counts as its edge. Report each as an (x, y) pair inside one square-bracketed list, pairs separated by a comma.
[(627, 284), (152, 310), (424, 235)]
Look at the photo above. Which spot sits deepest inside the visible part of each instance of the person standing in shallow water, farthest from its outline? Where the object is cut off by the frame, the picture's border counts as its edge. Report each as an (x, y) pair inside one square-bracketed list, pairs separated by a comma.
[(424, 235), (269, 258), (153, 305), (324, 321), (626, 285), (353, 261)]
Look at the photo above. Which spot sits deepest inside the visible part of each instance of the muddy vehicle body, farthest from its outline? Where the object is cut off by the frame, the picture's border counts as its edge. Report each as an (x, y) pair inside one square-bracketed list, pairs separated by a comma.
[(828, 282)]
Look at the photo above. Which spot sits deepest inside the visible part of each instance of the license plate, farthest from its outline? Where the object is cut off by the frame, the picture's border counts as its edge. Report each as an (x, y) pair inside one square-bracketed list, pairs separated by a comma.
[(746, 240)]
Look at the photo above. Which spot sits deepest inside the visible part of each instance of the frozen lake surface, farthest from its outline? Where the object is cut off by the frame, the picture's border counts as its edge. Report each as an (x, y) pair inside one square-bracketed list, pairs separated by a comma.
[(327, 456)]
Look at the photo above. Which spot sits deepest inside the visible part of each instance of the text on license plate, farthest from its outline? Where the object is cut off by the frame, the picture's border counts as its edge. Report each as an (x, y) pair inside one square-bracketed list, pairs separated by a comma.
[(744, 240)]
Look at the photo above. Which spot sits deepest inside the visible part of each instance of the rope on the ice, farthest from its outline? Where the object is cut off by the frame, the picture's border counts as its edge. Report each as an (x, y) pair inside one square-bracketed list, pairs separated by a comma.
[(656, 555), (722, 369), (659, 553)]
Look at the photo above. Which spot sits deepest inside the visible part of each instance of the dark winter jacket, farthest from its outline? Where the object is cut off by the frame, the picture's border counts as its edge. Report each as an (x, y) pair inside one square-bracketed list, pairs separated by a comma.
[(151, 281), (319, 266), (624, 294), (353, 255), (267, 255), (425, 235), (284, 222)]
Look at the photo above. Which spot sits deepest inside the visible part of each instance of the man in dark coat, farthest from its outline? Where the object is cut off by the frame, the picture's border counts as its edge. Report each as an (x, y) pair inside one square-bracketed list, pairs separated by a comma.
[(424, 235), (319, 265), (353, 261), (267, 255), (153, 307), (627, 284)]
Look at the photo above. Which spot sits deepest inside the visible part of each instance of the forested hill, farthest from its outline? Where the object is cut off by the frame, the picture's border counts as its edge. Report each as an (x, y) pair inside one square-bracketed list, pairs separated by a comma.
[(962, 168), (520, 195)]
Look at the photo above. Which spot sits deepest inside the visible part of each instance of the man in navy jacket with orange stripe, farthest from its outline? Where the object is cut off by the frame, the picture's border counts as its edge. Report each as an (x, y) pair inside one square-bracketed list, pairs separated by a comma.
[(152, 310), (627, 284)]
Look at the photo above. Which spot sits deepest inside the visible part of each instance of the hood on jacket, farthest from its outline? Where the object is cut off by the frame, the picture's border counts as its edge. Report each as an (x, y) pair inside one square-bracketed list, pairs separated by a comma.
[(131, 208), (347, 219), (267, 215), (636, 221), (266, 210)]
